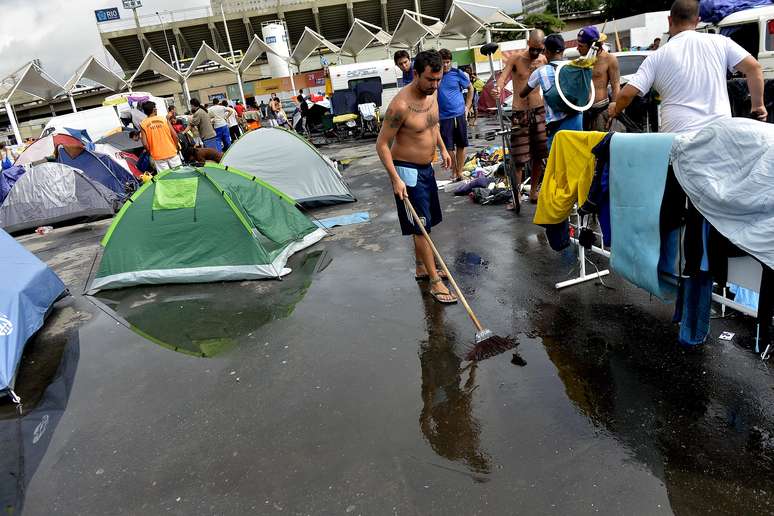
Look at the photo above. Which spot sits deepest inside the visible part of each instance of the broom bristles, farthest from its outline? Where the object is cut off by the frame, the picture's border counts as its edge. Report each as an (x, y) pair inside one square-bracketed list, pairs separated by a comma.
[(491, 347)]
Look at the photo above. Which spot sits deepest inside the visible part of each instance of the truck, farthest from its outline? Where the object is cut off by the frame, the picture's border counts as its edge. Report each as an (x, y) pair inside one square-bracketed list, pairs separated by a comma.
[(753, 29), (345, 77)]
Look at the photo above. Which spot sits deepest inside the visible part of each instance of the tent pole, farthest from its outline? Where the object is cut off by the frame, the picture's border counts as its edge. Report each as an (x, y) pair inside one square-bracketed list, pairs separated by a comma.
[(12, 119), (72, 102), (241, 88)]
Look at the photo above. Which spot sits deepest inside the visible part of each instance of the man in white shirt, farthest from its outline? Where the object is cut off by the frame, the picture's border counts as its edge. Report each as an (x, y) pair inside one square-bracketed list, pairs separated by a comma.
[(689, 73), (219, 116)]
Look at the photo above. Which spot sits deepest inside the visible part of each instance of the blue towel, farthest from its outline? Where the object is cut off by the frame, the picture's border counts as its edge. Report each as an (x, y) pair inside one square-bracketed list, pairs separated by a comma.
[(343, 220), (638, 172)]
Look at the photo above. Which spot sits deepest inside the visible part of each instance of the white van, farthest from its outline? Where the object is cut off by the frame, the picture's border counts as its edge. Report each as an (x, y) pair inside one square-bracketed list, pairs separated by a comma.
[(344, 77), (754, 30), (97, 122)]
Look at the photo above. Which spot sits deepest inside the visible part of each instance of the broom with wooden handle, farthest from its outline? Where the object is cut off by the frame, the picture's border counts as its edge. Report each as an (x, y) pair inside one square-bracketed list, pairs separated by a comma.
[(487, 343)]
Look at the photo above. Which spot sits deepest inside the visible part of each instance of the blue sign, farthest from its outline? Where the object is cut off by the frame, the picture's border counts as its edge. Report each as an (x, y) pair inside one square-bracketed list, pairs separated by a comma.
[(104, 15), (271, 39)]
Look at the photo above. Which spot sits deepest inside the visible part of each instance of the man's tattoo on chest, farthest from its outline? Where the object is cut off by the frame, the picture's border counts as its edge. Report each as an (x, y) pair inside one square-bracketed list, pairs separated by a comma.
[(432, 120), (416, 109)]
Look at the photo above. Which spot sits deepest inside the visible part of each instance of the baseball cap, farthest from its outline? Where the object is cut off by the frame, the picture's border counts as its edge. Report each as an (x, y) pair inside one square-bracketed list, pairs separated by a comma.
[(554, 43), (588, 35)]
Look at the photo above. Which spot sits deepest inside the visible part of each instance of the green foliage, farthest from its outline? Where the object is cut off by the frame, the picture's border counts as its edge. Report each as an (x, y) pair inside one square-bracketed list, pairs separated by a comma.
[(548, 23), (573, 6), (623, 8)]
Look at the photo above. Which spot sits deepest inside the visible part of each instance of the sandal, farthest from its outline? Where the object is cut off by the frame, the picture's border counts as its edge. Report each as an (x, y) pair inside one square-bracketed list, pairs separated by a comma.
[(423, 277), (438, 296)]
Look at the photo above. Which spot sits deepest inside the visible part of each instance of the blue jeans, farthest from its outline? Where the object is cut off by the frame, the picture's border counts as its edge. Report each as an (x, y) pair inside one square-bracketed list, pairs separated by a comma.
[(571, 123), (213, 143), (224, 136)]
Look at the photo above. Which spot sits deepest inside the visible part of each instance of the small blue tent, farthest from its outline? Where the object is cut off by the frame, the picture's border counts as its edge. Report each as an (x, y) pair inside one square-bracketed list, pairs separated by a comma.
[(27, 291), (98, 167), (713, 11), (8, 178)]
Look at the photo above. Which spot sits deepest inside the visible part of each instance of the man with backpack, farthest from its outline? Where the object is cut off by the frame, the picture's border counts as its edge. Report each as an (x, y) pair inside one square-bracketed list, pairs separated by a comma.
[(559, 116)]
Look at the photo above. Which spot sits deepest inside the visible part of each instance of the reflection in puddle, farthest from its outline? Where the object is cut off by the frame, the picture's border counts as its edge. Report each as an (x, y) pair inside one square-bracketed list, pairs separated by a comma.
[(447, 420), (206, 319), (700, 426), (44, 384)]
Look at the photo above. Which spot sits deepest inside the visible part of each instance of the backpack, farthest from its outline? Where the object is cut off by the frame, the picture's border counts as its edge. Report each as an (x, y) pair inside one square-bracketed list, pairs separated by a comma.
[(573, 89), (553, 99)]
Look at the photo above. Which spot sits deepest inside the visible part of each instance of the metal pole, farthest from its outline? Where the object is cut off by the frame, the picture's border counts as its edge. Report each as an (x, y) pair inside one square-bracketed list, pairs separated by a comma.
[(292, 82), (185, 81), (507, 158), (169, 52), (139, 31), (12, 119), (228, 35), (557, 10), (72, 102), (241, 88)]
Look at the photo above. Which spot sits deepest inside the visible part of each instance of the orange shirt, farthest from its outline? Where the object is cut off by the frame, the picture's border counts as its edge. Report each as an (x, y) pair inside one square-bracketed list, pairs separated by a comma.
[(159, 138)]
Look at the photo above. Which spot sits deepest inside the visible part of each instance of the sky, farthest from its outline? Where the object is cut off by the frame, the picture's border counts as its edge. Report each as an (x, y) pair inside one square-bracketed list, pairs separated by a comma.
[(63, 33)]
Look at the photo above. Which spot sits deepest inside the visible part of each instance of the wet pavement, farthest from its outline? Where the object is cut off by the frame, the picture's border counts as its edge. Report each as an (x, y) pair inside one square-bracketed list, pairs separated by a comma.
[(343, 390)]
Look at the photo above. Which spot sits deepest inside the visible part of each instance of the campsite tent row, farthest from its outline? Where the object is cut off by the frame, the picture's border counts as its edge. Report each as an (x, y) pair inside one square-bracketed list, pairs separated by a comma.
[(81, 184)]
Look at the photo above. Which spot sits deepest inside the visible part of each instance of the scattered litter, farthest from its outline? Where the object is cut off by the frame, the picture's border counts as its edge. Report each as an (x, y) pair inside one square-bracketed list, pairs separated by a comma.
[(350, 508), (100, 471), (343, 220), (232, 373), (442, 184), (727, 335), (42, 230)]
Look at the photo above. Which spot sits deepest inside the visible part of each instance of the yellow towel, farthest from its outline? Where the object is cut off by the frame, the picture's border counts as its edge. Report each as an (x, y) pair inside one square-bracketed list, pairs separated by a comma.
[(568, 175)]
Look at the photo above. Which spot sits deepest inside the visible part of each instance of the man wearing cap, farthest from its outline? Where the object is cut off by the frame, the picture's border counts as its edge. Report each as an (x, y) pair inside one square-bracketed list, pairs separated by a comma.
[(528, 134), (606, 72), (558, 115)]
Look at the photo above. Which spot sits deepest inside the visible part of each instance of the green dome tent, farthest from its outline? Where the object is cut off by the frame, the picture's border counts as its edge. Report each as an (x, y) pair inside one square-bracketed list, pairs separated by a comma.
[(194, 225)]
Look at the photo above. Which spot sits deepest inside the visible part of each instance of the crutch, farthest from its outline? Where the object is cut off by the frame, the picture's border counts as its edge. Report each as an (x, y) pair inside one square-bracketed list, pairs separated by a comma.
[(488, 49)]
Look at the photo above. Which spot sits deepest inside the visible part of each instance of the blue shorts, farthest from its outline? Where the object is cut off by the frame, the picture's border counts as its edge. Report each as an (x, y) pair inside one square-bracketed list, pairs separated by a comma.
[(454, 132), (423, 197)]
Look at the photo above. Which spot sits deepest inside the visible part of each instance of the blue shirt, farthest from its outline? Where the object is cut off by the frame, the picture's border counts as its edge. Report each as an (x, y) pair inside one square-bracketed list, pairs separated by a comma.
[(451, 101), (409, 76), (545, 76)]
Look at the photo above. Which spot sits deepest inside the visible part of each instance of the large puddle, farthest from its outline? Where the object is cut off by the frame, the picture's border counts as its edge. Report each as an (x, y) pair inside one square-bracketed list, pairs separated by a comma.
[(207, 319)]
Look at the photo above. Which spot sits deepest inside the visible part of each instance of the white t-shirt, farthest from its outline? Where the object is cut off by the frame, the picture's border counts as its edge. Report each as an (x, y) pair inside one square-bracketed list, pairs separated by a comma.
[(219, 115), (689, 73)]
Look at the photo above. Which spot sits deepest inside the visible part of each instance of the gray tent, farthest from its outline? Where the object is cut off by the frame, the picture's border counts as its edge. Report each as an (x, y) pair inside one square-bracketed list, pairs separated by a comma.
[(289, 163), (51, 193)]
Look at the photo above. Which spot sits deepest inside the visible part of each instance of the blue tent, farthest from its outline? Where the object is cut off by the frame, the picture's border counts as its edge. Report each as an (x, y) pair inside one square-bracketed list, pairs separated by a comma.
[(98, 167), (712, 11), (27, 291), (8, 178)]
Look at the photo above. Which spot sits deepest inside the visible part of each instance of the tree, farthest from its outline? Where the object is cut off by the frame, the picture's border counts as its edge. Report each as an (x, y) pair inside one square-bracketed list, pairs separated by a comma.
[(548, 23), (572, 6), (623, 8)]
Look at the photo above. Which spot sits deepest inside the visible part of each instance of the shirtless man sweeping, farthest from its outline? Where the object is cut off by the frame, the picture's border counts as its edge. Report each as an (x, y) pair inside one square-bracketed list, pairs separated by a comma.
[(406, 145), (606, 72), (528, 133)]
